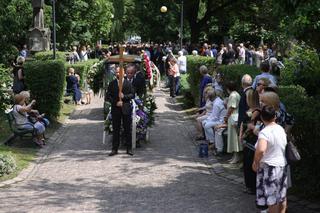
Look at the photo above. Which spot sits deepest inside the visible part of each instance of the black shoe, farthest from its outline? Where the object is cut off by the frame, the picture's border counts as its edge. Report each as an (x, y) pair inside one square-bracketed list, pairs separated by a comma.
[(114, 152), (138, 145), (129, 152), (200, 138), (219, 154)]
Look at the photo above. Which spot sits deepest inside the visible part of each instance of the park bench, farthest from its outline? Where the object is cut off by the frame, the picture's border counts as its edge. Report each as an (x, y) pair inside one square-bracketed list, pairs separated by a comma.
[(19, 130)]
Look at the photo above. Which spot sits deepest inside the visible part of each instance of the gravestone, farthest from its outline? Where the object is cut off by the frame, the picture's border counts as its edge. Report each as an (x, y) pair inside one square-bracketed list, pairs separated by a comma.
[(39, 36)]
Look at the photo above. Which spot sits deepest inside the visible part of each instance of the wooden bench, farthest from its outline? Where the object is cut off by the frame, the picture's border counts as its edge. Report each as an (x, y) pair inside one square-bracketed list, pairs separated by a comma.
[(19, 130)]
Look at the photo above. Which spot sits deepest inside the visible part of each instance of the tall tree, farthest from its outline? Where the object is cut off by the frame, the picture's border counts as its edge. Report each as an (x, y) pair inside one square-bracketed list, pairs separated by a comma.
[(117, 31), (82, 21), (15, 20)]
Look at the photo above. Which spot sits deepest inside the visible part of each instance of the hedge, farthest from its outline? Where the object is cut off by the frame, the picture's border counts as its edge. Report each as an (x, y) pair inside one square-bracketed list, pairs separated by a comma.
[(46, 80), (302, 68), (48, 55), (230, 72), (82, 68), (236, 71), (5, 85), (305, 111), (7, 164), (194, 77)]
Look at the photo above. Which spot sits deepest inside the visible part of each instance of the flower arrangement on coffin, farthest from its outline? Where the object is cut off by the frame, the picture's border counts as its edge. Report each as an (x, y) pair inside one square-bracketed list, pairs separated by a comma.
[(144, 117), (146, 65), (108, 122), (149, 107), (141, 121)]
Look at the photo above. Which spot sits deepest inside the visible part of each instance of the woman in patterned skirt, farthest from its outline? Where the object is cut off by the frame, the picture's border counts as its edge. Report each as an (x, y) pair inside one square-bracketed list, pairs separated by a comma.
[(270, 163)]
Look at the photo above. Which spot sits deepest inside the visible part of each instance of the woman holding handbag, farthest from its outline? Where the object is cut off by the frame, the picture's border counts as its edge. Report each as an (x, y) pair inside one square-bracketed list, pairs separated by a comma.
[(270, 163)]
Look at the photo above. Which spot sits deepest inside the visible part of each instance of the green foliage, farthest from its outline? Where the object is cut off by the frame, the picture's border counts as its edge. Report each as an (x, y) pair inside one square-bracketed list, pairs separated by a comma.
[(48, 55), (96, 75), (5, 85), (194, 76), (82, 21), (299, 20), (46, 80), (82, 69), (7, 164), (141, 16), (236, 71), (117, 30), (150, 107), (305, 110), (15, 20), (303, 68)]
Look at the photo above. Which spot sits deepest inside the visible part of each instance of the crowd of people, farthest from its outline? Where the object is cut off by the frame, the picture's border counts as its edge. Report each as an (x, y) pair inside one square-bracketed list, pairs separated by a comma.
[(255, 120), (257, 127)]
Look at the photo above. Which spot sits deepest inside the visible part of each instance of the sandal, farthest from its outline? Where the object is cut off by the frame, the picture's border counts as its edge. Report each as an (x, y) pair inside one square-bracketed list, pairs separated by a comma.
[(38, 142)]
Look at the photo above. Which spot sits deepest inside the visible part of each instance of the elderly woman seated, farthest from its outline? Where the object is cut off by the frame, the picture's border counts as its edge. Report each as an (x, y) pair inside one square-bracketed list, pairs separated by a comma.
[(22, 112), (209, 95), (215, 118)]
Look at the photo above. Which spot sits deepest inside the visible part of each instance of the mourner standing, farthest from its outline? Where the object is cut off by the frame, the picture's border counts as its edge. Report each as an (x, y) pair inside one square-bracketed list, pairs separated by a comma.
[(120, 112)]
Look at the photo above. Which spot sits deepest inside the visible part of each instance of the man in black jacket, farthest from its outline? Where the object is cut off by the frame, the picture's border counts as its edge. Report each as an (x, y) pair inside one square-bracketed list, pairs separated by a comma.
[(120, 110), (137, 80)]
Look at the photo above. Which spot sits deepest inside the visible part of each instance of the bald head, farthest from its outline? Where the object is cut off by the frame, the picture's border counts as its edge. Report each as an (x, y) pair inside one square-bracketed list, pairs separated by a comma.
[(246, 81)]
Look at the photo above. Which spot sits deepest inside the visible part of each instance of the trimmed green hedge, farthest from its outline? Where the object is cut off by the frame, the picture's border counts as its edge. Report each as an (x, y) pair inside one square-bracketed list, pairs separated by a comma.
[(302, 68), (48, 55), (82, 68), (7, 164), (306, 132), (46, 80), (5, 85), (236, 71), (194, 77)]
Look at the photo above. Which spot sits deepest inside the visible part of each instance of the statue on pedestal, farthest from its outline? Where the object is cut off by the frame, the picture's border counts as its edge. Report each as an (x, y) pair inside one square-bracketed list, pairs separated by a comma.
[(39, 36), (38, 17)]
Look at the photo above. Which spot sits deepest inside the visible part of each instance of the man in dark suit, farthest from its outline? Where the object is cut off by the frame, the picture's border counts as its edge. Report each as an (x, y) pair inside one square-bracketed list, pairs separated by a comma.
[(120, 110), (137, 80), (246, 84)]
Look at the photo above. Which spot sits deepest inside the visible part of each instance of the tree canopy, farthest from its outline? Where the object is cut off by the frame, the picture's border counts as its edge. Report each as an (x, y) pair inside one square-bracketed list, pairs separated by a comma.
[(86, 21)]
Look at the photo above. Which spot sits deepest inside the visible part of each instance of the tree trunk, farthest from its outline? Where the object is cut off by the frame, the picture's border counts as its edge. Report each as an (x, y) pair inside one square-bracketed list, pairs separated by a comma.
[(195, 33), (191, 11)]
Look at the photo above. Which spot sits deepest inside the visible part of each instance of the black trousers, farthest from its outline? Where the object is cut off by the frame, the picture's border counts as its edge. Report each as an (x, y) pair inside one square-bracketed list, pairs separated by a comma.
[(172, 85), (117, 118), (249, 174)]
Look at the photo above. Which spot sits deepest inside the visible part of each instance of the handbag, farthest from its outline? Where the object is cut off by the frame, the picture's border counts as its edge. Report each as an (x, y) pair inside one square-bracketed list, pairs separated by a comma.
[(292, 153)]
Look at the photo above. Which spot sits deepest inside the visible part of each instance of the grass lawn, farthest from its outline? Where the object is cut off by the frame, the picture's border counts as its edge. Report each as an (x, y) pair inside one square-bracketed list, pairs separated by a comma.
[(25, 151)]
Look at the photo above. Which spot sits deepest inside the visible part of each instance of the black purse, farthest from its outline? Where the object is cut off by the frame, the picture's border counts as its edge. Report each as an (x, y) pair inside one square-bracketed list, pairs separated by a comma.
[(292, 153)]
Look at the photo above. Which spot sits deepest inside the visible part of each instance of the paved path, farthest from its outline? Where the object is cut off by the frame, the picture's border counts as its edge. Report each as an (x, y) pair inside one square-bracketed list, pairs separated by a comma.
[(164, 176)]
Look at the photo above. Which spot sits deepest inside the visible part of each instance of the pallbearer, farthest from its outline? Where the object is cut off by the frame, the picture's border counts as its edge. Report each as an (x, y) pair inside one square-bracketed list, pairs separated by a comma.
[(119, 94)]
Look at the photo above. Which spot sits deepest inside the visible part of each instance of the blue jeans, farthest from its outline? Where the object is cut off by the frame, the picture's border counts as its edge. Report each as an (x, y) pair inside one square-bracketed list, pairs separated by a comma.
[(177, 81)]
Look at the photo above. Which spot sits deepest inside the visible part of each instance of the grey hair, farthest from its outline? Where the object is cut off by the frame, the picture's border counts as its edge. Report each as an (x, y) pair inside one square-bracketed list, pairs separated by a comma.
[(20, 60), (211, 94), (203, 69), (246, 80), (25, 94)]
